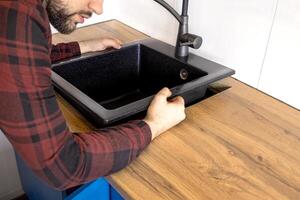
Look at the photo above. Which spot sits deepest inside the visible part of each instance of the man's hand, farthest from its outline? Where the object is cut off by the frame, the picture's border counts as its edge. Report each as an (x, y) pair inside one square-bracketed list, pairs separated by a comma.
[(163, 114), (99, 44)]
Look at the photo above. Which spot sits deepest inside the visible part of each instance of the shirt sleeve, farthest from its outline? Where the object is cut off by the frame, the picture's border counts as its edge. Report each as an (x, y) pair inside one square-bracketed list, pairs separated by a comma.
[(33, 123), (62, 51)]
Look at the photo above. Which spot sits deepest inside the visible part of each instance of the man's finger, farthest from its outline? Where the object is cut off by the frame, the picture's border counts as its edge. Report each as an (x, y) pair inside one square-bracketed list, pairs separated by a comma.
[(112, 43), (178, 100), (165, 92), (119, 41), (115, 44)]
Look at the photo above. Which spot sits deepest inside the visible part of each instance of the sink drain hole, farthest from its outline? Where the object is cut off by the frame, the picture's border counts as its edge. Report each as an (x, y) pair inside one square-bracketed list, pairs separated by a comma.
[(184, 74)]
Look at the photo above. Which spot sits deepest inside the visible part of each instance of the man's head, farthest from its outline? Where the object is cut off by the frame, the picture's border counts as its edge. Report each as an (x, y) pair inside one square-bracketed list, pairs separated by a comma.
[(65, 14)]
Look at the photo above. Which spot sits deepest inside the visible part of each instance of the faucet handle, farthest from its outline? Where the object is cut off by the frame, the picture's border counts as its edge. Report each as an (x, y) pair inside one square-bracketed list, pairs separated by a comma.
[(191, 40)]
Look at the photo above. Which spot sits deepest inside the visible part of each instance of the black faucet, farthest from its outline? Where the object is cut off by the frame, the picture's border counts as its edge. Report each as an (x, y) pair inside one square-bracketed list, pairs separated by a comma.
[(184, 39)]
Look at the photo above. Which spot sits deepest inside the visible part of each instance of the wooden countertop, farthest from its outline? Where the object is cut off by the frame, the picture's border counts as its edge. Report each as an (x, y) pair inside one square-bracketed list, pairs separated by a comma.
[(238, 144)]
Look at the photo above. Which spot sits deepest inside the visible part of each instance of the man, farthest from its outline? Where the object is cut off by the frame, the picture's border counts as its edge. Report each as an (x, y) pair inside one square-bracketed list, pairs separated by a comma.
[(29, 114)]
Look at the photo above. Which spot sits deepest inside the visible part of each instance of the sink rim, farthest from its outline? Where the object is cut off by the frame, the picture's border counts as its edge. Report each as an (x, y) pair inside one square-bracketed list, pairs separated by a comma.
[(214, 72)]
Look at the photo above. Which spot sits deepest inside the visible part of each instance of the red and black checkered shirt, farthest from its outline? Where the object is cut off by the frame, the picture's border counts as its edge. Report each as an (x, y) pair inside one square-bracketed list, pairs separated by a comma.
[(29, 113)]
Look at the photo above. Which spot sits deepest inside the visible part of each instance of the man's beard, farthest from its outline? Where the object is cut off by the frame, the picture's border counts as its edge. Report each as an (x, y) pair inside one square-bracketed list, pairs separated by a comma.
[(59, 17)]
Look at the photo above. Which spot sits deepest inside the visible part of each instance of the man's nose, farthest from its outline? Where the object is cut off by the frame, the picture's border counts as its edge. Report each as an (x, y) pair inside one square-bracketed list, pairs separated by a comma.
[(96, 6)]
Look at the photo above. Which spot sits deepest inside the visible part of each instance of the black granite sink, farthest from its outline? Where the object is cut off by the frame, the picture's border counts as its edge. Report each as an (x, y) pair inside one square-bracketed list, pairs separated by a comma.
[(113, 85)]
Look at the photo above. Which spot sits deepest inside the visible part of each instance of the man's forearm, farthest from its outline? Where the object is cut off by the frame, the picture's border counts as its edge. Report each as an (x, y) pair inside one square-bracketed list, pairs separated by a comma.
[(99, 44), (62, 51)]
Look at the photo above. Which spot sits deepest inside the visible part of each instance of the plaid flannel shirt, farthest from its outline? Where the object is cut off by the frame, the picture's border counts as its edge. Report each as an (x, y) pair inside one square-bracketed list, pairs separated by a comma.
[(29, 113)]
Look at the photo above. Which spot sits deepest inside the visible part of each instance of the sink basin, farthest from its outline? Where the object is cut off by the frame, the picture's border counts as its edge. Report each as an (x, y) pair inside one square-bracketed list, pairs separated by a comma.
[(114, 85)]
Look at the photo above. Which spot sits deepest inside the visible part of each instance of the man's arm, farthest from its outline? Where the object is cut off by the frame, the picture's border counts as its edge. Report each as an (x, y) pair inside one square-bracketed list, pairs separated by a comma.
[(62, 51)]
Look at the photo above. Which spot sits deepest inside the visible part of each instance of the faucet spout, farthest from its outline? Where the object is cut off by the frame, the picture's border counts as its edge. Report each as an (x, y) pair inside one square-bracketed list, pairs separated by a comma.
[(184, 39)]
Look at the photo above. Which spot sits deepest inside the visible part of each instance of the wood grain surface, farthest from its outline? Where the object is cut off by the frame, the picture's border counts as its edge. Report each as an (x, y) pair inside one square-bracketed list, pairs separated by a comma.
[(238, 144)]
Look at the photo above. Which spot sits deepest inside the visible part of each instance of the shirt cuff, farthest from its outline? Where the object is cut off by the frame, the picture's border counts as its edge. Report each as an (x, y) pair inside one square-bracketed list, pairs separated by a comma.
[(75, 48), (146, 133)]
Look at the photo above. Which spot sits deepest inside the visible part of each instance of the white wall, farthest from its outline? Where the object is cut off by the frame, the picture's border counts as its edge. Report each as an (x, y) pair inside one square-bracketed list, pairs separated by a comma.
[(281, 70), (10, 186)]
